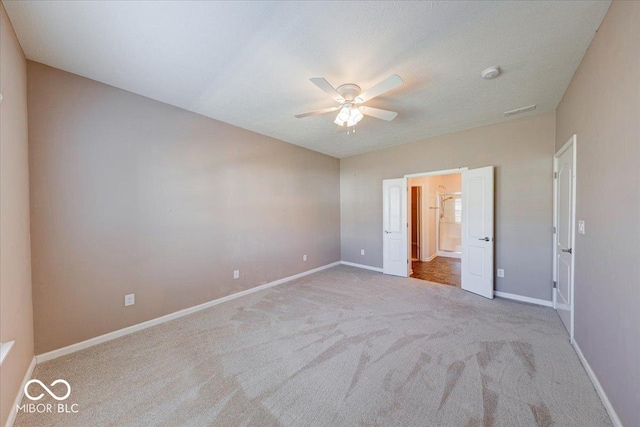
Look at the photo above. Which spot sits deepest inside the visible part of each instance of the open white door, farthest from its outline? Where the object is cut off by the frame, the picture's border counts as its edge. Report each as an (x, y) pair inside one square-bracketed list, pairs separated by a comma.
[(477, 231), (394, 223), (564, 167)]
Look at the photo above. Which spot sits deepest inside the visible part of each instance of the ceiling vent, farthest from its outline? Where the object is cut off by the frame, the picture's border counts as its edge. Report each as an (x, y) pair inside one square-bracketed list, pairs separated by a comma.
[(520, 110)]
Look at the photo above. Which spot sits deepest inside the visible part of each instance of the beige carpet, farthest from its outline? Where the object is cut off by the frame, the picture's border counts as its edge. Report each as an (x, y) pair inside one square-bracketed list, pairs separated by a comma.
[(344, 347)]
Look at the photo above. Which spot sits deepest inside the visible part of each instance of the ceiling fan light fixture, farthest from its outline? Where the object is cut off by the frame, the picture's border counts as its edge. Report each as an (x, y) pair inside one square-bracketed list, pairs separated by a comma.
[(350, 100), (355, 116), (349, 116), (345, 113)]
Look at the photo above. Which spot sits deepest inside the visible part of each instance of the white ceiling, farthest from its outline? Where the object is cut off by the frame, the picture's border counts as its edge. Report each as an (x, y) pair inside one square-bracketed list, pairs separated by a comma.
[(248, 63)]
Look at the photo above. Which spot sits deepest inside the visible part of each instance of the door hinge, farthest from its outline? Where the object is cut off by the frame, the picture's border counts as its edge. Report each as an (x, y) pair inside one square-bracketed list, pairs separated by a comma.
[(555, 284), (555, 175), (554, 229), (407, 261)]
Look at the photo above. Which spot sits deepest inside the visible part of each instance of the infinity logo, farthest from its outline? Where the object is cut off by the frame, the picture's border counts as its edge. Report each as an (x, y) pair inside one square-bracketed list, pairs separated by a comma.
[(52, 394)]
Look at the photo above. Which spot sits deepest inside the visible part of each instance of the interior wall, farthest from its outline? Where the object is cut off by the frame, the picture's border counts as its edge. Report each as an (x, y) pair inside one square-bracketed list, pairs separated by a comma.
[(431, 216), (521, 151), (451, 182), (450, 235), (16, 315), (428, 217), (130, 195), (602, 106), (415, 221)]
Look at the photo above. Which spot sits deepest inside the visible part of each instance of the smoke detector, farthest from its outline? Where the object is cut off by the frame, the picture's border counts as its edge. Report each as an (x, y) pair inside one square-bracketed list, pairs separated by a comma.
[(490, 73)]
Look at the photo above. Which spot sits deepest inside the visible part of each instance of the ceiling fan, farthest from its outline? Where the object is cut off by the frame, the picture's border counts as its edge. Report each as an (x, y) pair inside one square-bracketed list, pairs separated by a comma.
[(351, 101)]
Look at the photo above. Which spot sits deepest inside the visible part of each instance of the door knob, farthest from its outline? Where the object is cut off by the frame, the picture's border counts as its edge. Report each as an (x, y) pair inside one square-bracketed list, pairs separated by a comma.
[(386, 232), (486, 239), (567, 250)]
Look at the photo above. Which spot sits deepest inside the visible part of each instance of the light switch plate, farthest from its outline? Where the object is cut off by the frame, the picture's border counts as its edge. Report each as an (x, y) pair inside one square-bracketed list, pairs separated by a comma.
[(581, 226), (500, 272)]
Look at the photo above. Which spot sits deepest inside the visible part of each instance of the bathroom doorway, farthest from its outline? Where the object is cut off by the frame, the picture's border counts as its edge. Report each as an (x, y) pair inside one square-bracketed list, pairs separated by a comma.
[(435, 227)]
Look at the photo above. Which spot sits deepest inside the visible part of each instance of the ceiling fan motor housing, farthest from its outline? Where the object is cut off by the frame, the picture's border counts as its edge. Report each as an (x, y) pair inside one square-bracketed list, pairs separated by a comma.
[(349, 91)]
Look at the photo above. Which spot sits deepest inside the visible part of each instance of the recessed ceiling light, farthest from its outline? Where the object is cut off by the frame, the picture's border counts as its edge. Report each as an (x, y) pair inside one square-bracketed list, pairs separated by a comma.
[(490, 73)]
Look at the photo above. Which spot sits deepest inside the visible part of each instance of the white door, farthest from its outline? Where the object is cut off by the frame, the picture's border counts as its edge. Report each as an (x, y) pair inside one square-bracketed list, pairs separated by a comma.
[(564, 214), (394, 223), (477, 231)]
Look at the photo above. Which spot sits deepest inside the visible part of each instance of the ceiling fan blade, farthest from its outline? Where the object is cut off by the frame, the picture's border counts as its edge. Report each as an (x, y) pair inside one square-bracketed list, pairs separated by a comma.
[(386, 85), (327, 88), (378, 113), (317, 112)]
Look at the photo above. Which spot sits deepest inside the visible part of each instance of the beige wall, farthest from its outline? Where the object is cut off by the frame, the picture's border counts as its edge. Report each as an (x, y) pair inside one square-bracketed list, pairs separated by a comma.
[(602, 106), (130, 195), (16, 316), (522, 152)]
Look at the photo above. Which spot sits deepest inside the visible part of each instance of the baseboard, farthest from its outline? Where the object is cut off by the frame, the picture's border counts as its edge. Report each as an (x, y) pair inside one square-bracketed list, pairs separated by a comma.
[(523, 299), (596, 384), (431, 258), (168, 317), (366, 267), (14, 408), (446, 254)]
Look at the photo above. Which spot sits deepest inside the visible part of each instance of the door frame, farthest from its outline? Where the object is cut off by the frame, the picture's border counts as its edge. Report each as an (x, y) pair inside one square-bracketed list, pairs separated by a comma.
[(570, 144), (459, 170), (435, 173)]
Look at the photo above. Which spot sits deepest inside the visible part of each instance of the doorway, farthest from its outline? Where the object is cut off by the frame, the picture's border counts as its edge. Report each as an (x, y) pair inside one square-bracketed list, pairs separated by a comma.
[(436, 219), (476, 216), (564, 211)]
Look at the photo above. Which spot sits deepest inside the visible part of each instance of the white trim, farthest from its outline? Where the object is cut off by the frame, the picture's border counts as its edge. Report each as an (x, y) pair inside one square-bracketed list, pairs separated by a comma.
[(571, 143), (168, 317), (435, 173), (4, 350), (521, 298), (566, 145), (447, 254), (431, 258), (596, 384), (366, 267), (14, 408)]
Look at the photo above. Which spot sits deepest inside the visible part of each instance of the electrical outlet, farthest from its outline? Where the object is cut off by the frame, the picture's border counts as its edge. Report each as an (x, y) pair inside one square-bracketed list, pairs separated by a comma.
[(500, 272), (129, 300), (581, 226), (361, 251), (236, 274), (304, 257)]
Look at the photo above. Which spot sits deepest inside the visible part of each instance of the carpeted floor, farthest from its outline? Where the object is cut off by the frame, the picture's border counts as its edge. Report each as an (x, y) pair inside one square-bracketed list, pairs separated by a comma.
[(441, 270), (344, 347)]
